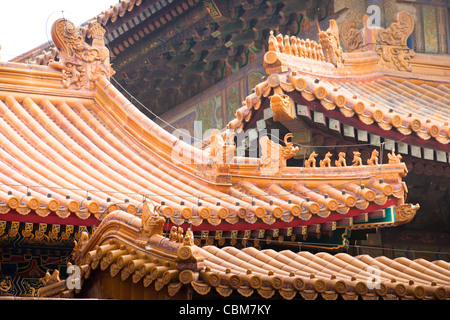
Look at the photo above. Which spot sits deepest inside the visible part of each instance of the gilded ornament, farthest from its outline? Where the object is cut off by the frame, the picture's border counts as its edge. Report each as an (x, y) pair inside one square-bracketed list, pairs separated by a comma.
[(326, 162), (274, 156), (394, 158), (341, 160), (351, 37), (356, 159), (282, 107), (391, 43), (373, 158), (329, 40), (152, 222), (222, 148), (80, 63)]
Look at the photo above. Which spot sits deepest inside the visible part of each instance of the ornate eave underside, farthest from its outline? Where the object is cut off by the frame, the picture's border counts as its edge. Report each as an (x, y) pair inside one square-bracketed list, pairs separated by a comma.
[(158, 263)]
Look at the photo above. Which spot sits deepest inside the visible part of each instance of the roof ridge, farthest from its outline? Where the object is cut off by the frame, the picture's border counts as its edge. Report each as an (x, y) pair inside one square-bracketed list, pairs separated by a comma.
[(138, 249)]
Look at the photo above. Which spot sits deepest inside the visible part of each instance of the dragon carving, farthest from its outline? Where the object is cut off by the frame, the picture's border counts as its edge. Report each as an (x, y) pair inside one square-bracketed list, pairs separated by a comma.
[(79, 62), (152, 222), (274, 156), (282, 107), (222, 147), (391, 43), (329, 40)]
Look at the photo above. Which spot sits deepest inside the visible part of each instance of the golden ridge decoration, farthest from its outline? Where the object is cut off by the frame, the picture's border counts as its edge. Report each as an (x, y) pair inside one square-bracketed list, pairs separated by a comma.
[(50, 279), (394, 158), (79, 62), (351, 37), (331, 47), (282, 107), (406, 212), (373, 158), (222, 148), (80, 245), (391, 43), (326, 162), (152, 222), (311, 162), (356, 158)]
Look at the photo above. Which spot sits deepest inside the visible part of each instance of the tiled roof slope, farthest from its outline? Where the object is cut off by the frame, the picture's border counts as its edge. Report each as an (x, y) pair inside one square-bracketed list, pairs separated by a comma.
[(401, 97), (74, 146), (407, 106), (154, 261), (82, 153)]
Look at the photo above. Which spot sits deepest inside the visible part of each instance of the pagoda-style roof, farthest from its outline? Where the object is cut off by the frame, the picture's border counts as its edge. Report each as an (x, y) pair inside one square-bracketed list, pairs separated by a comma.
[(74, 148), (136, 253), (379, 85)]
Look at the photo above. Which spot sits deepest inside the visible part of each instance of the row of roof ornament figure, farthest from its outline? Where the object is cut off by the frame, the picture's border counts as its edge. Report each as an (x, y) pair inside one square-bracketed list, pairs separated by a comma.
[(293, 45), (274, 156), (328, 49), (357, 161)]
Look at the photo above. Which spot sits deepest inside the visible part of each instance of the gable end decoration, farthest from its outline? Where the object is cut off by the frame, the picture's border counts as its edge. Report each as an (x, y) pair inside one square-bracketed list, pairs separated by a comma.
[(80, 63)]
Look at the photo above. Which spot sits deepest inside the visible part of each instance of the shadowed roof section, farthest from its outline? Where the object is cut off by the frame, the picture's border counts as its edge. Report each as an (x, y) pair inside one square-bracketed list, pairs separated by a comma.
[(125, 247)]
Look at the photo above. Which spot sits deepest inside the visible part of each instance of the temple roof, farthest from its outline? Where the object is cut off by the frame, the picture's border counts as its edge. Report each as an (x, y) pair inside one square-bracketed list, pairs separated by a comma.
[(73, 147), (126, 246), (403, 97), (197, 42)]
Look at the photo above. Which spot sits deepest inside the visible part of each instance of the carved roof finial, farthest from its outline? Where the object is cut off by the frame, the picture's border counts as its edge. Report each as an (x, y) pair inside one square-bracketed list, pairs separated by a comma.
[(80, 63), (330, 42), (152, 222), (274, 156)]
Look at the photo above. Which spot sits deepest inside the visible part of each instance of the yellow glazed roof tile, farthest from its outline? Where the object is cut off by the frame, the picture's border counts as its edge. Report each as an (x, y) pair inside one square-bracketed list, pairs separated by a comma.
[(247, 271), (79, 152)]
